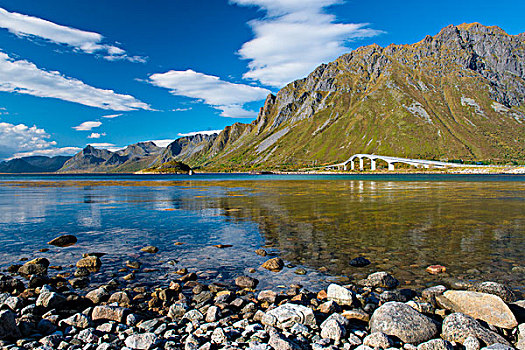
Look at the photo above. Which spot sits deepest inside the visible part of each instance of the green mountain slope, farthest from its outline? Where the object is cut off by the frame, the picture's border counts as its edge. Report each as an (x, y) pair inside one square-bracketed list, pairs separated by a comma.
[(458, 94)]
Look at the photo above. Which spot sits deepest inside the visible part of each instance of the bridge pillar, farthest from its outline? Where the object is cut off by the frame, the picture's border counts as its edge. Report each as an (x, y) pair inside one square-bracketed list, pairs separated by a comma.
[(345, 167), (352, 165), (391, 166), (373, 164), (361, 164)]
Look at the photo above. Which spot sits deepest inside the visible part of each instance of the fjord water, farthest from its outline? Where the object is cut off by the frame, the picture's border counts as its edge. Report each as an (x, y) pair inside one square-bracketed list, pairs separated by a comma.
[(474, 225)]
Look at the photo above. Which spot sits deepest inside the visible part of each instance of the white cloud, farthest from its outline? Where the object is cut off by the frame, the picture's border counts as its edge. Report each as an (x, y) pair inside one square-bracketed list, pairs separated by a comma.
[(25, 77), (96, 135), (88, 42), (101, 144), (162, 143), (86, 126), (222, 95), (181, 109), (51, 152), (111, 116), (21, 140), (294, 38)]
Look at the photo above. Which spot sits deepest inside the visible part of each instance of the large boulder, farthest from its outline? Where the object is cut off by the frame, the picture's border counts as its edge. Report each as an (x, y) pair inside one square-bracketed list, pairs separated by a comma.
[(48, 298), (286, 315), (246, 282), (482, 306), (402, 321), (334, 327), (457, 327)]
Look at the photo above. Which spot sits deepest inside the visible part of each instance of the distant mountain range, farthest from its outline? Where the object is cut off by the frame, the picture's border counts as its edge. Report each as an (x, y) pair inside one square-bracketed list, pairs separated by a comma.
[(36, 164), (131, 159), (457, 95)]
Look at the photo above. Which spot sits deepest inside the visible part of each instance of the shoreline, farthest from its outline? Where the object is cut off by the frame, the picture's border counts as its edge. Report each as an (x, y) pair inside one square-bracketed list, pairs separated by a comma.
[(46, 309), (456, 171)]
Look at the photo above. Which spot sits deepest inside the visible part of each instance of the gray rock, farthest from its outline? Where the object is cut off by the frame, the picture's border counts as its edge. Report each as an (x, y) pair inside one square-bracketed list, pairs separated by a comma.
[(49, 299), (435, 344), (246, 282), (286, 315), (340, 295), (458, 327), (482, 306), (280, 342), (429, 294), (51, 341), (471, 343), (218, 336), (498, 346), (380, 280), (213, 314), (177, 310), (78, 320), (109, 313), (98, 295), (498, 289), (142, 341), (8, 327), (378, 340), (334, 327), (88, 336), (400, 320), (268, 296), (194, 315)]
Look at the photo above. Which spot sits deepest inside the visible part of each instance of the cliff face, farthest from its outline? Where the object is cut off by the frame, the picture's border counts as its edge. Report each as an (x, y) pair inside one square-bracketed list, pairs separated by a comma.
[(458, 94), (133, 158)]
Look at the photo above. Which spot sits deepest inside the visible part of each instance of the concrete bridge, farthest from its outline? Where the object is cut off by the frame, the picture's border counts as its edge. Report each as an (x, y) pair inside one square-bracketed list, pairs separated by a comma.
[(420, 163)]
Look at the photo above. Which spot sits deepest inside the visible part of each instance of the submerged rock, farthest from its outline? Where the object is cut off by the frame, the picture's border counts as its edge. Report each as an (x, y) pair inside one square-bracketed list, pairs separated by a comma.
[(63, 241), (380, 280), (246, 282), (359, 262), (275, 264), (150, 249)]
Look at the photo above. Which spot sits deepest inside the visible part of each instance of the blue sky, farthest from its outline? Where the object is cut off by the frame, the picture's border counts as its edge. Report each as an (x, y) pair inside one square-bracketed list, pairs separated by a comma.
[(116, 72)]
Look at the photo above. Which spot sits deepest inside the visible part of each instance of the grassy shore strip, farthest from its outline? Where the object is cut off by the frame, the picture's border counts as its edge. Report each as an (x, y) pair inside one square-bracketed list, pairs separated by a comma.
[(39, 310)]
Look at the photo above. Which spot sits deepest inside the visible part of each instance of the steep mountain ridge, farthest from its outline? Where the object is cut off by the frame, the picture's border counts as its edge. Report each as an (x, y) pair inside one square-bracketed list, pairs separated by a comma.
[(458, 94)]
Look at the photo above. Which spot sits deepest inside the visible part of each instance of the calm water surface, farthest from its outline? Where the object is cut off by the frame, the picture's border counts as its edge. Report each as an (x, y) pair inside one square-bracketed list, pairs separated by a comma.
[(474, 225)]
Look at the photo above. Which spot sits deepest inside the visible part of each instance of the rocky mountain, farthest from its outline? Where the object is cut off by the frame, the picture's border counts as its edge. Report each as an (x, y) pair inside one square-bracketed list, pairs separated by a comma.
[(456, 95), (131, 159), (35, 164)]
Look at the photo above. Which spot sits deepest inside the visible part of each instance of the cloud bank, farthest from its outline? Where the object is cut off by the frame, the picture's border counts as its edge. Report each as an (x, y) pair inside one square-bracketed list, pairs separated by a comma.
[(88, 42), (23, 141), (227, 97), (294, 38), (25, 77)]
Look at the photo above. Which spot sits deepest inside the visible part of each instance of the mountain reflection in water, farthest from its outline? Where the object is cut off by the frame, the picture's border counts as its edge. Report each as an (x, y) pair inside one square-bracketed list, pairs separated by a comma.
[(474, 228)]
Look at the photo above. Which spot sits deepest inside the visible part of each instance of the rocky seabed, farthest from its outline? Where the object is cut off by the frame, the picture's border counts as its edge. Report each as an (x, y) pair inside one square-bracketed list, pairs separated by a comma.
[(38, 311)]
